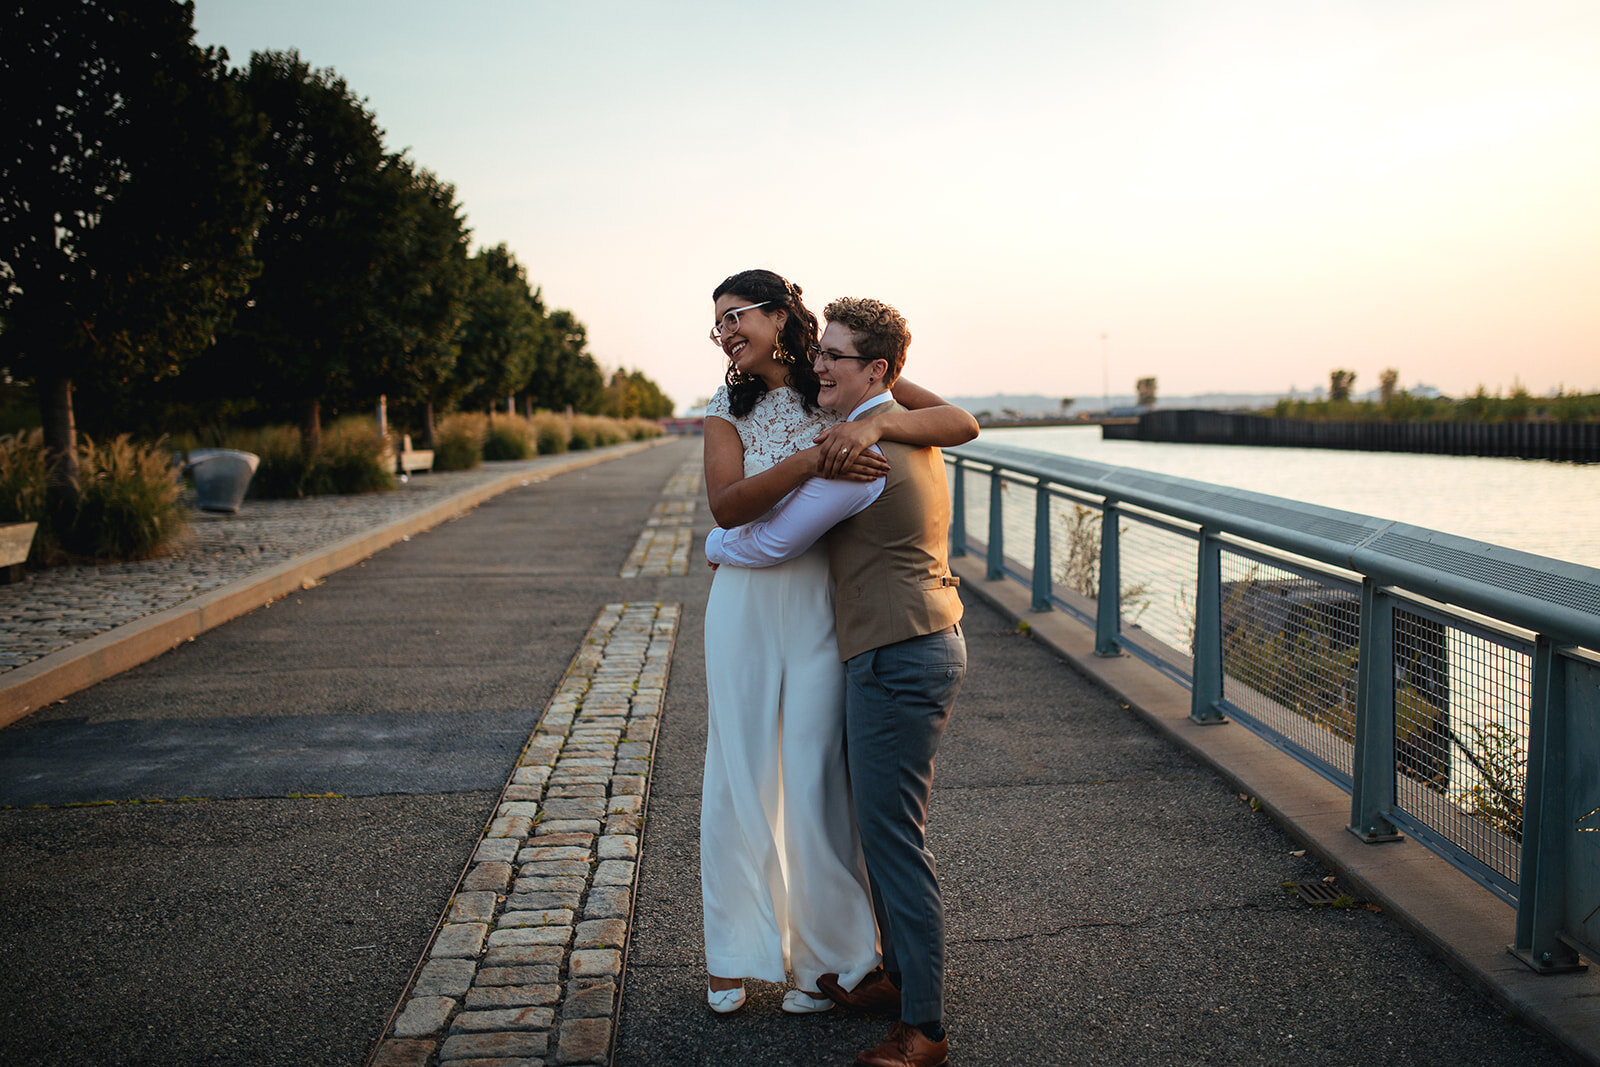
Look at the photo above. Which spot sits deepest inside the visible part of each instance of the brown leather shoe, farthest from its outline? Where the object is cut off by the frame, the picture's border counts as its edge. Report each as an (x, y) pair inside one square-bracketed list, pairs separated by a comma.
[(874, 993), (907, 1047)]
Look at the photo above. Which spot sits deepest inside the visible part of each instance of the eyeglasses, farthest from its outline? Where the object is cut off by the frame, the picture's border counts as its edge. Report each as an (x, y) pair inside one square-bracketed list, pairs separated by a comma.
[(729, 323), (817, 354)]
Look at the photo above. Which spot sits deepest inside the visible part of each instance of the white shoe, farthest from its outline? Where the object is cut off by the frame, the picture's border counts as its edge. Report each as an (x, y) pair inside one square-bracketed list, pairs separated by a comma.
[(799, 1002), (725, 1001)]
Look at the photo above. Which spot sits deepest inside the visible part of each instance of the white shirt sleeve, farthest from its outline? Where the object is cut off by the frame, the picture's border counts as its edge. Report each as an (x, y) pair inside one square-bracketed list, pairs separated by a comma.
[(800, 519)]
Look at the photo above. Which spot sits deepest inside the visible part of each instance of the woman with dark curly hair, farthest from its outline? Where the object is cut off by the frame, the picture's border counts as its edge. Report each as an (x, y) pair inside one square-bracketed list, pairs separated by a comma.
[(784, 887)]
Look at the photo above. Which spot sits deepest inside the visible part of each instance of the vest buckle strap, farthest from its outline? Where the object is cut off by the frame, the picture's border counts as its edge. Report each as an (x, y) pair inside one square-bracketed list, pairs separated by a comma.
[(950, 581)]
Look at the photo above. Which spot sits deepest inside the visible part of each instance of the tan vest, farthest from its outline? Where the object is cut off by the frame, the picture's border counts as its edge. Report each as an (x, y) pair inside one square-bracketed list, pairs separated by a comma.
[(890, 562)]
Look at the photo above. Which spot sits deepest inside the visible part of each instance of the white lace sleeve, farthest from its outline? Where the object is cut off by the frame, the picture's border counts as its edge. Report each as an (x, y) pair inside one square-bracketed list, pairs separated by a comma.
[(718, 405)]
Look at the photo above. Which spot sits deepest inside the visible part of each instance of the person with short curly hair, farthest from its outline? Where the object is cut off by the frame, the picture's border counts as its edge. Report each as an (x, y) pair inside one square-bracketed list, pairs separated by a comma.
[(897, 621), (879, 331), (783, 884)]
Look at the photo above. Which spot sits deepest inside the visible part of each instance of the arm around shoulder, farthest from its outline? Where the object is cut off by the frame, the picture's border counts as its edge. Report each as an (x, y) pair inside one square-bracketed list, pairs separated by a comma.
[(735, 499), (929, 419)]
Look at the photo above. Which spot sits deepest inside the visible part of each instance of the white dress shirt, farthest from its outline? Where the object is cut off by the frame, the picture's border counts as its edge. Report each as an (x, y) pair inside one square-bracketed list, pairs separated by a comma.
[(800, 518)]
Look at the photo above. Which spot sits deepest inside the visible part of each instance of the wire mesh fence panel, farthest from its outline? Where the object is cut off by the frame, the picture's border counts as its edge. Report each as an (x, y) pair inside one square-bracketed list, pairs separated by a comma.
[(1158, 584), (1016, 516), (1462, 702), (1290, 641)]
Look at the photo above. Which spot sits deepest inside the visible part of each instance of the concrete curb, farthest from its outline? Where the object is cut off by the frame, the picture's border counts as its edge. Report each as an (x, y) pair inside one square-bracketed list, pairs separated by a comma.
[(1461, 921), (50, 678)]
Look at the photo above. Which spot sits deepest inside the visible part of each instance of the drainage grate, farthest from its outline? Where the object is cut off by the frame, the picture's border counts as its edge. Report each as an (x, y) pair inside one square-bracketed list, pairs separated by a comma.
[(1317, 892)]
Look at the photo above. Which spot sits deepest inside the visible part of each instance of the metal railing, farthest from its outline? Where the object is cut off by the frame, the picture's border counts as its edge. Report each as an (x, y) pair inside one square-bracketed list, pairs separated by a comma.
[(1452, 687)]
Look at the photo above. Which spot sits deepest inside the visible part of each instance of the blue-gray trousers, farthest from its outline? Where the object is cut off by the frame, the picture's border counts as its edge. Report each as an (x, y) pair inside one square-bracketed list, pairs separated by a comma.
[(897, 701)]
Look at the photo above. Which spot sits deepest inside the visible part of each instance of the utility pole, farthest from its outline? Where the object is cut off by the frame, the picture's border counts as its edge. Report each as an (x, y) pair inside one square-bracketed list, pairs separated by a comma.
[(1105, 376)]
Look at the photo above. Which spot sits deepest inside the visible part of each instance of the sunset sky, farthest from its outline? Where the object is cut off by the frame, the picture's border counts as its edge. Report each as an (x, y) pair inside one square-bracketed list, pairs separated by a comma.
[(1240, 195)]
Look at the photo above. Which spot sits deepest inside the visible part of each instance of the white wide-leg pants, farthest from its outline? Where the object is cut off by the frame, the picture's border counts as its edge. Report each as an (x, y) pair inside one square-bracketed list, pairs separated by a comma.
[(782, 879)]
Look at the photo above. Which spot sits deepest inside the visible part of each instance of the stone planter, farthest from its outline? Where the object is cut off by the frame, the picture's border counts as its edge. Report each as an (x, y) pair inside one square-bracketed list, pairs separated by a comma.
[(221, 476), (16, 540)]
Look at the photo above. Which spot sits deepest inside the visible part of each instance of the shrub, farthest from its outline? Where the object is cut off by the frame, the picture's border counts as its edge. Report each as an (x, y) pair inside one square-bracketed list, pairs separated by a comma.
[(24, 475), (354, 458), (508, 437), (284, 472), (642, 429), (582, 435), (458, 441), (550, 433), (129, 506)]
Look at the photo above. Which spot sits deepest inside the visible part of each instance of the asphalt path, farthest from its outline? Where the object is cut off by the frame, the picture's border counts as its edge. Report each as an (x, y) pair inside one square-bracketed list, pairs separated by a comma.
[(190, 895), (1109, 900)]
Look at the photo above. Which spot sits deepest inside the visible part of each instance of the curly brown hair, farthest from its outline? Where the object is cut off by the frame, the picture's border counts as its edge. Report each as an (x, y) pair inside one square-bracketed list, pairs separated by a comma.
[(799, 336), (879, 331)]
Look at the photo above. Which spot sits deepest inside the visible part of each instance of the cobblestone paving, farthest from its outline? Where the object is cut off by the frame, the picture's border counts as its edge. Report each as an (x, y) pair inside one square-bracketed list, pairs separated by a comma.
[(53, 609), (664, 543), (526, 966)]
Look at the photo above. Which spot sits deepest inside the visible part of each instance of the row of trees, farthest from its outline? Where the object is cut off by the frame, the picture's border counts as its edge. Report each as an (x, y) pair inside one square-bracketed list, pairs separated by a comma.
[(1394, 404), (184, 244)]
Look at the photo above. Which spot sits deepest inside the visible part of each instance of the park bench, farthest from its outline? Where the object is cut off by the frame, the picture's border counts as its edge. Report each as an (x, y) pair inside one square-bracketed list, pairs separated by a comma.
[(409, 460), (16, 538)]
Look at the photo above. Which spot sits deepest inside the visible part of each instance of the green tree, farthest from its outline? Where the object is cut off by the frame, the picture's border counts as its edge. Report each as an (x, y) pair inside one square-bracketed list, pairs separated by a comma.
[(1146, 388), (313, 329), (503, 333), (1339, 384), (426, 280), (631, 395), (566, 375), (1386, 385), (128, 201)]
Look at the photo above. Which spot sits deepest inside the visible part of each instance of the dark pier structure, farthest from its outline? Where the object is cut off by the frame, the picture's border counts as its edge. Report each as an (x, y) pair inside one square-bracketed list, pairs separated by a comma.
[(1576, 442)]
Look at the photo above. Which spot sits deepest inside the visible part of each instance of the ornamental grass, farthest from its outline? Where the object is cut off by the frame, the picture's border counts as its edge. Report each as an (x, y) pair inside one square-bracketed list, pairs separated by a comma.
[(509, 437), (352, 458), (550, 432), (128, 503), (458, 441)]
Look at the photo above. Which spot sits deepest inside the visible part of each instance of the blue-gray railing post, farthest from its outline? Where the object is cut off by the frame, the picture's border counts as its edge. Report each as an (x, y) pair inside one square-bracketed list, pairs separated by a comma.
[(1108, 601), (958, 511), (1541, 889), (997, 529), (1041, 548), (1205, 698), (1372, 767)]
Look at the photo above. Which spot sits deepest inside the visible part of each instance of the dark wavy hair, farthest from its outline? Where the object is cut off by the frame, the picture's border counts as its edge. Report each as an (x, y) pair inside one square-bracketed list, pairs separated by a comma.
[(799, 335)]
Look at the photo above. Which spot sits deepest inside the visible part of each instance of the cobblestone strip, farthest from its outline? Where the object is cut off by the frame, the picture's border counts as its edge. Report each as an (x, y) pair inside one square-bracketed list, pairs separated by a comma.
[(664, 543), (527, 964)]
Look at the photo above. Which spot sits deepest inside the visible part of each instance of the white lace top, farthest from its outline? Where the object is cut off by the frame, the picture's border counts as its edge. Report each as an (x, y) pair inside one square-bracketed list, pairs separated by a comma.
[(776, 428)]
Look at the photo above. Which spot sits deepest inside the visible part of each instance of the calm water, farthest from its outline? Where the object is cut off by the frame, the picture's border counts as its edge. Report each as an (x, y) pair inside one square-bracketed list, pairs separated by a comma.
[(1538, 506)]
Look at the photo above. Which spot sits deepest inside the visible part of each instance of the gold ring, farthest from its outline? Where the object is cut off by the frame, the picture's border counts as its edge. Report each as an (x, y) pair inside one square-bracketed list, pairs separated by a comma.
[(845, 451)]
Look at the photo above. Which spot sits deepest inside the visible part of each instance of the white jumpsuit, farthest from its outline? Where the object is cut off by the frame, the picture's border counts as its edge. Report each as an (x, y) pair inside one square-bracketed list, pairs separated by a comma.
[(782, 880)]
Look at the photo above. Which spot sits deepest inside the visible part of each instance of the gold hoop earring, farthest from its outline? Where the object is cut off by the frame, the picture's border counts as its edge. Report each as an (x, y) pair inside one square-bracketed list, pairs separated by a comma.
[(782, 354)]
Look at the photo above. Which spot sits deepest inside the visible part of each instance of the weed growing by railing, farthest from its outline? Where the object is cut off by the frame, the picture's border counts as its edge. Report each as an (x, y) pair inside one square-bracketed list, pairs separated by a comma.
[(1501, 760), (1079, 568)]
